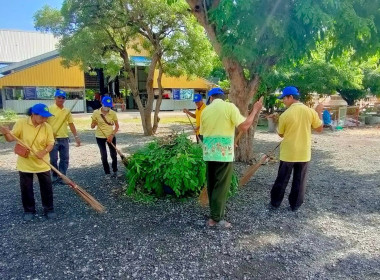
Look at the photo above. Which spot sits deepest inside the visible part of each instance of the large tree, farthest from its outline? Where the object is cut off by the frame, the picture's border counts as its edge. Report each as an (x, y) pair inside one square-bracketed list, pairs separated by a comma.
[(98, 33), (252, 36)]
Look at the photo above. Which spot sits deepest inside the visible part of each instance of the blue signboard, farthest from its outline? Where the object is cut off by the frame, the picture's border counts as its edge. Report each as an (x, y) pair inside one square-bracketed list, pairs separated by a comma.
[(45, 93), (176, 94), (30, 93), (187, 94)]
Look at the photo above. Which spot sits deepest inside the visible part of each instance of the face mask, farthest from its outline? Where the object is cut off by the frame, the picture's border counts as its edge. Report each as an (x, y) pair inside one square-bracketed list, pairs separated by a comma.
[(106, 109)]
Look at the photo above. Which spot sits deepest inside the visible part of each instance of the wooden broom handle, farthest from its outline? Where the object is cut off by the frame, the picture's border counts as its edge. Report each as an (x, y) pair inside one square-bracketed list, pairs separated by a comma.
[(195, 131), (64, 120), (48, 163), (112, 144)]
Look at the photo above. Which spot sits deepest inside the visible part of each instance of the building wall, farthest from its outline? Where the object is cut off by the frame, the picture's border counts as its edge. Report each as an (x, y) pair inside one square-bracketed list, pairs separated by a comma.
[(181, 82), (49, 73)]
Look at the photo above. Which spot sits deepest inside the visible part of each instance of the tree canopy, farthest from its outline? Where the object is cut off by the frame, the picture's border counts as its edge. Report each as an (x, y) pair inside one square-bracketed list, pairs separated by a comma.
[(101, 34), (253, 36)]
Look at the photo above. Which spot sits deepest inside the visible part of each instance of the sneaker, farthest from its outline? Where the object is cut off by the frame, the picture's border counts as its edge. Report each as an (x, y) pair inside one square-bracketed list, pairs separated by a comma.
[(27, 216), (108, 177), (51, 215)]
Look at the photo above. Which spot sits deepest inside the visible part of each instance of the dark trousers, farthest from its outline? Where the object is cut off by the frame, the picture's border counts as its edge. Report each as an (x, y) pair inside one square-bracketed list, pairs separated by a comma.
[(219, 176), (199, 138), (27, 194), (103, 153), (297, 193), (61, 148)]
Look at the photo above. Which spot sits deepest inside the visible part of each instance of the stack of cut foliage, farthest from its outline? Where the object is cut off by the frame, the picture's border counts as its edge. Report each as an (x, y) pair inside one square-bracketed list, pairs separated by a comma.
[(173, 165)]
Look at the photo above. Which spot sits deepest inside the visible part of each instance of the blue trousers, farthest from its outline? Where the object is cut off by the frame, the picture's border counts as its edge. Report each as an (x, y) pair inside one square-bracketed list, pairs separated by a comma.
[(61, 149)]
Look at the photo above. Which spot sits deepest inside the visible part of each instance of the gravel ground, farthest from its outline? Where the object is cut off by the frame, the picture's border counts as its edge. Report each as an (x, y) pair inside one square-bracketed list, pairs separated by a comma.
[(334, 235)]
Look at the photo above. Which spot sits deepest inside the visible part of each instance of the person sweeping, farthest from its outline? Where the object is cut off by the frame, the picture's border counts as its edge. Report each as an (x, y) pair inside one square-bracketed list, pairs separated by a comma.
[(38, 135), (294, 127), (59, 121), (218, 123), (197, 116), (107, 125)]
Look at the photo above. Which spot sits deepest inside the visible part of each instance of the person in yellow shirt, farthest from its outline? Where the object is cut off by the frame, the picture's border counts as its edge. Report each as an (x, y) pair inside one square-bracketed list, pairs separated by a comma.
[(197, 116), (294, 127), (38, 135), (106, 123), (59, 122), (218, 123)]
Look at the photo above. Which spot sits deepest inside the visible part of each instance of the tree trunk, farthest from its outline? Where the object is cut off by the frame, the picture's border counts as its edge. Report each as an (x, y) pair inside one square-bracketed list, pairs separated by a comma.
[(156, 119), (150, 91), (131, 81)]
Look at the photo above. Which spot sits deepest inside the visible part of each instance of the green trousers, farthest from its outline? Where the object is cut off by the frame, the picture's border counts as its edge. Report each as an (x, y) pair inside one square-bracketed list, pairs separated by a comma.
[(219, 176)]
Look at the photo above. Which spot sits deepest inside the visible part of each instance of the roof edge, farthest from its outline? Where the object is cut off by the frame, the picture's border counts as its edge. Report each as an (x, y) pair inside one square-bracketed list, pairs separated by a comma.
[(29, 62)]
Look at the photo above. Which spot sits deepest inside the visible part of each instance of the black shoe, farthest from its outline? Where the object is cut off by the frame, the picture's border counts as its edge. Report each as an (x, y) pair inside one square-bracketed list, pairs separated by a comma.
[(28, 216), (272, 207), (294, 209), (51, 215)]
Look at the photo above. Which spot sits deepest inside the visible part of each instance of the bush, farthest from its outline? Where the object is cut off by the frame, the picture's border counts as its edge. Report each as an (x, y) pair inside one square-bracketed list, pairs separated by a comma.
[(173, 163), (9, 115)]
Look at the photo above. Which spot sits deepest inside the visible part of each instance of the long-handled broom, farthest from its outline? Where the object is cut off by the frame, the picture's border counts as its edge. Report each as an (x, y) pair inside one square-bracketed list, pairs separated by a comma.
[(253, 168), (203, 195), (81, 192), (123, 158), (195, 131)]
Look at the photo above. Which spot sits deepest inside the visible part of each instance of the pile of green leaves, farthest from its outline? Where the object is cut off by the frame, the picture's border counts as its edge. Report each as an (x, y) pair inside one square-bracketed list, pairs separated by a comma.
[(172, 163), (8, 115)]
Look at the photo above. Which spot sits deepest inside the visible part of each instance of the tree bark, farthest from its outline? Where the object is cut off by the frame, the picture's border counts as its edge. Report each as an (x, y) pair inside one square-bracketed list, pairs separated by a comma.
[(131, 81), (150, 91), (156, 119)]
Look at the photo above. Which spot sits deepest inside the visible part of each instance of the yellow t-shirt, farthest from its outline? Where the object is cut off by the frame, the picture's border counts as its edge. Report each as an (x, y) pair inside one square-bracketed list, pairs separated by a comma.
[(26, 131), (198, 113), (103, 130), (296, 124), (60, 116), (218, 122)]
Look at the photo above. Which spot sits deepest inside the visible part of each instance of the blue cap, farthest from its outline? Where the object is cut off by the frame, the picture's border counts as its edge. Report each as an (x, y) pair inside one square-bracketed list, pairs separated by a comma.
[(60, 93), (197, 97), (107, 101), (215, 91), (42, 110), (289, 91)]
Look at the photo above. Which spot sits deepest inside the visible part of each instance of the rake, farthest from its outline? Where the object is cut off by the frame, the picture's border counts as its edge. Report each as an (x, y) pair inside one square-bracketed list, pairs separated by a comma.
[(89, 199)]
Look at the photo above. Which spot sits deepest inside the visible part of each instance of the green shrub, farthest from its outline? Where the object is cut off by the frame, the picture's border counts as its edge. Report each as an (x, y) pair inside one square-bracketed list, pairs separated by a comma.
[(173, 163), (9, 115), (90, 94)]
